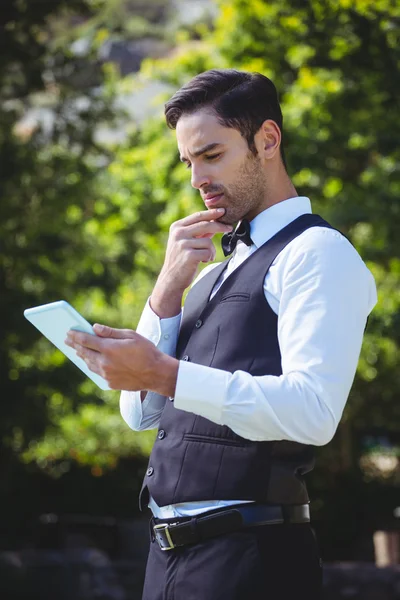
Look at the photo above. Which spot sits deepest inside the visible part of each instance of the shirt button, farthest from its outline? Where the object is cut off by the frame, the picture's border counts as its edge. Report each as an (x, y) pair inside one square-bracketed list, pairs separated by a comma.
[(161, 434), (166, 336), (185, 357), (149, 471), (171, 398), (199, 323)]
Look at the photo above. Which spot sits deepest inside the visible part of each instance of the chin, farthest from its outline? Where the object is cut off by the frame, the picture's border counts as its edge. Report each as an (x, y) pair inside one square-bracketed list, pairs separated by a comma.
[(227, 220)]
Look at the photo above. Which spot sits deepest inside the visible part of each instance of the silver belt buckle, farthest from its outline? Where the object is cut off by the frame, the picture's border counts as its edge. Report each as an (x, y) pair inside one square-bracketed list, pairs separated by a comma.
[(165, 529)]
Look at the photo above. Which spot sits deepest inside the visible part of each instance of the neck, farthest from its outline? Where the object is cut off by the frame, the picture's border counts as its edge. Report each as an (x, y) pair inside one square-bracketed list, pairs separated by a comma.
[(278, 189)]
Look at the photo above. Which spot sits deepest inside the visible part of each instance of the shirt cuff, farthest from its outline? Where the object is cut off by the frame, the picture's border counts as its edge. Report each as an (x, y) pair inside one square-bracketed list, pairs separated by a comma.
[(201, 390), (162, 332)]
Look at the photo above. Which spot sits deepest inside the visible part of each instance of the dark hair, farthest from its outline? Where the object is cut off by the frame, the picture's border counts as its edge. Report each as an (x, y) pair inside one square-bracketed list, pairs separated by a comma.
[(240, 100)]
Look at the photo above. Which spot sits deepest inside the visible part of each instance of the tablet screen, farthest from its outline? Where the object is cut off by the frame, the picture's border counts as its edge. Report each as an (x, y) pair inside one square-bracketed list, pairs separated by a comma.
[(54, 320)]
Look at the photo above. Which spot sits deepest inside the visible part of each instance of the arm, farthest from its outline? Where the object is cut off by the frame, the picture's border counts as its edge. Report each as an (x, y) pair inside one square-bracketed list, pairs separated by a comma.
[(133, 361), (161, 317), (325, 295), (141, 410)]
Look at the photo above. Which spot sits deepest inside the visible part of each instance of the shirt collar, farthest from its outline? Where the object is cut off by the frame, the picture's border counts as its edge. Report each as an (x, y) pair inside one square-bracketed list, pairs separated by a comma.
[(267, 223)]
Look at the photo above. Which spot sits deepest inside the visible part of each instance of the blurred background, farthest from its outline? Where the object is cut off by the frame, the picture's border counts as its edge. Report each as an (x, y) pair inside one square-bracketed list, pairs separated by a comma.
[(90, 181)]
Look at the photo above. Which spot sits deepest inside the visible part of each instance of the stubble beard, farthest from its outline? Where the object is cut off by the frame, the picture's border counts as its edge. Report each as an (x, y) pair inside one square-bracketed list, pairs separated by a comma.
[(246, 193)]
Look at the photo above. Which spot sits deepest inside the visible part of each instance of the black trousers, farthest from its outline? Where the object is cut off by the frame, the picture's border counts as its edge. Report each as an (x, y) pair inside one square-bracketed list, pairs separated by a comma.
[(272, 562)]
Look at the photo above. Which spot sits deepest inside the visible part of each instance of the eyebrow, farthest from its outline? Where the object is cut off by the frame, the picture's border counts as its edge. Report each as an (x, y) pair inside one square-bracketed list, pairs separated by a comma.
[(202, 150)]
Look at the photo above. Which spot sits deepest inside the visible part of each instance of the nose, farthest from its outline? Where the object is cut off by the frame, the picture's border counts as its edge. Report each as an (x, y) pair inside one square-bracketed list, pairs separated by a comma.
[(199, 177)]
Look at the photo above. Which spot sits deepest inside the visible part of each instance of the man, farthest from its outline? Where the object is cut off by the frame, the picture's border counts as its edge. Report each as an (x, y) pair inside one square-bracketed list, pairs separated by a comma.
[(257, 370)]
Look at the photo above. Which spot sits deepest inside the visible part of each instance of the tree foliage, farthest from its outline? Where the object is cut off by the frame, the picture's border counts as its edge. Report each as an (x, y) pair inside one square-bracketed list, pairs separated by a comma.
[(335, 64), (89, 224), (61, 234)]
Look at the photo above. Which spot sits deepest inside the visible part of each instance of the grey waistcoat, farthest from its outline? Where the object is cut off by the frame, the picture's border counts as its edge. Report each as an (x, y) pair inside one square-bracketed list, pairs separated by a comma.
[(194, 459)]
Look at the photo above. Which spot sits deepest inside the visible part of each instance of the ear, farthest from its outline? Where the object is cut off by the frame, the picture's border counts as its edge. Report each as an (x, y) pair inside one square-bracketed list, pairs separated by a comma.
[(268, 139)]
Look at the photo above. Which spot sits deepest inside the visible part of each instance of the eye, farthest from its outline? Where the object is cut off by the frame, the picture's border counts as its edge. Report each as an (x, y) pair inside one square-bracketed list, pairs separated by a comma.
[(188, 165), (213, 156)]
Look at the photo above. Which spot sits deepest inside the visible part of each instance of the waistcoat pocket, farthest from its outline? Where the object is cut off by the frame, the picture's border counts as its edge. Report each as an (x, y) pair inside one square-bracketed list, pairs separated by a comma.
[(209, 439), (236, 297)]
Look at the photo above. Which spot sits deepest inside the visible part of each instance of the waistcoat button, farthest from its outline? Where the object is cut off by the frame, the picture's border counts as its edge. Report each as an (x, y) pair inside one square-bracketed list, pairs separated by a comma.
[(149, 471), (161, 434), (199, 323), (185, 357)]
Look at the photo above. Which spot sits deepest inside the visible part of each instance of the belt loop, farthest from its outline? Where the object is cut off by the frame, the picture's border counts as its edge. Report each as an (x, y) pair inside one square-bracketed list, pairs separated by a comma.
[(194, 528), (151, 531)]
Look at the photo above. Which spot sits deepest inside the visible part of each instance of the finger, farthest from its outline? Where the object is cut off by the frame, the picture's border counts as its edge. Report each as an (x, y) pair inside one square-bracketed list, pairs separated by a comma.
[(204, 253), (203, 215), (110, 332), (91, 358), (83, 339), (198, 244), (209, 228), (207, 255)]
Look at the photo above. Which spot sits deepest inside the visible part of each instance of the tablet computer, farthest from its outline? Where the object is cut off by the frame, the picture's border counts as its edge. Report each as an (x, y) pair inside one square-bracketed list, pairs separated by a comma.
[(54, 320)]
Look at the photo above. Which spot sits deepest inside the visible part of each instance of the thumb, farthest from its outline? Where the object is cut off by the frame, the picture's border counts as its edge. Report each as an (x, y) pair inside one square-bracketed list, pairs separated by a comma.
[(109, 332)]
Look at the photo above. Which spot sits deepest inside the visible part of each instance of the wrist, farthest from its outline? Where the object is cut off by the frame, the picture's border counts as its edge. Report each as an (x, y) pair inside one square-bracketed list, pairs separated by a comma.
[(165, 300), (164, 375)]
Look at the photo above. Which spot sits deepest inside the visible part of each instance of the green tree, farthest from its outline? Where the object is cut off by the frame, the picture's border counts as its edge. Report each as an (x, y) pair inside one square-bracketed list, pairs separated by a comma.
[(335, 64), (61, 236)]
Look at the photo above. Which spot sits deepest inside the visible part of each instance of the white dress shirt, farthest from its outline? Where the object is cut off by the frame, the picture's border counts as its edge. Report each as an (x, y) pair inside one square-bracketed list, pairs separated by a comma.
[(322, 293)]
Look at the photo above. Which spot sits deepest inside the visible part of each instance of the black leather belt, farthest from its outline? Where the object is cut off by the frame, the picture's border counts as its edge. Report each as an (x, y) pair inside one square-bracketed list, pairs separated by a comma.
[(172, 533)]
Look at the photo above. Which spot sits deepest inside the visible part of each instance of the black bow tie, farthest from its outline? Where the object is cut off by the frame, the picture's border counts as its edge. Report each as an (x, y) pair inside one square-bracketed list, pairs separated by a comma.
[(230, 240)]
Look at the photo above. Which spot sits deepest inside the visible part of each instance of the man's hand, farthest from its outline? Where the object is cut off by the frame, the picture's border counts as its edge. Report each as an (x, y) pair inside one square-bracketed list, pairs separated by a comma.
[(125, 359), (189, 244)]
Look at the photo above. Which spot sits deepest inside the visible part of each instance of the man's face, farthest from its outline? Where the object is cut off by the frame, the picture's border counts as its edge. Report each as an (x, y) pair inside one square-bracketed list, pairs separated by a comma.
[(223, 168)]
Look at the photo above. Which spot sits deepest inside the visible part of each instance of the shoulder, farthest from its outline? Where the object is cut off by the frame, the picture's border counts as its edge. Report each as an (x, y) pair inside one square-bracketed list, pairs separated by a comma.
[(323, 244), (322, 254), (321, 238)]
